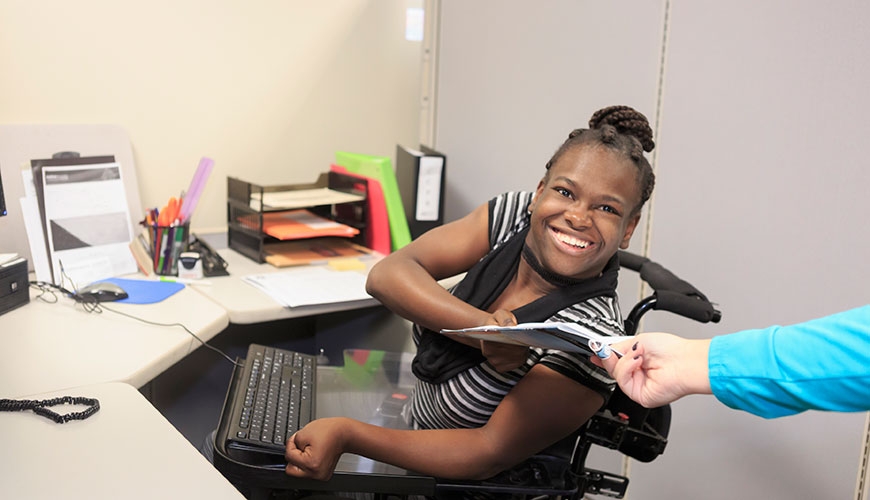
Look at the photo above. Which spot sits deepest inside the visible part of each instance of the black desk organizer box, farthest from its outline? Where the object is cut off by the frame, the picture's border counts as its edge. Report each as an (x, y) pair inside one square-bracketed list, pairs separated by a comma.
[(245, 223)]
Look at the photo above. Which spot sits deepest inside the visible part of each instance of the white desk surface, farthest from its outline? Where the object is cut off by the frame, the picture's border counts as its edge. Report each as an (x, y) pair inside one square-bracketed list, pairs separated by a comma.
[(245, 304), (49, 347), (125, 450)]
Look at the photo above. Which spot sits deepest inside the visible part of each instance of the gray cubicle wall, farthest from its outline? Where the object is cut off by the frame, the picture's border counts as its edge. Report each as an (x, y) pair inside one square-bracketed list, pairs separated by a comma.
[(762, 192)]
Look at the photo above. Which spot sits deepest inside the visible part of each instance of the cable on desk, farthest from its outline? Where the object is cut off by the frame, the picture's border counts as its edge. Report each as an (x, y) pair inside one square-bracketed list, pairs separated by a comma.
[(48, 294), (204, 343)]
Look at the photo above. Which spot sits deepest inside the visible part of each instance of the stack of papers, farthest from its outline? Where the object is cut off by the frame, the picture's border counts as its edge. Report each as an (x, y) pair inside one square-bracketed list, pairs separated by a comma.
[(300, 224), (284, 200), (312, 285), (313, 251), (7, 257)]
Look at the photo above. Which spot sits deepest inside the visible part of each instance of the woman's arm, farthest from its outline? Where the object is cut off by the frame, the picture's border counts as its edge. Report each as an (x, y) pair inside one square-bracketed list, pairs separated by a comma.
[(542, 408), (823, 364), (406, 281)]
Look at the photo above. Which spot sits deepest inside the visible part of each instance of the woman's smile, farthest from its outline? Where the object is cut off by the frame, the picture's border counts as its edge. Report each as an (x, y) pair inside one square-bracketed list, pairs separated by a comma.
[(570, 243)]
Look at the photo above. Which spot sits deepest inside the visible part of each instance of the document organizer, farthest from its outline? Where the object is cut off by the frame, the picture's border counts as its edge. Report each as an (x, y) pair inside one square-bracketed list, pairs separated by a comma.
[(335, 196)]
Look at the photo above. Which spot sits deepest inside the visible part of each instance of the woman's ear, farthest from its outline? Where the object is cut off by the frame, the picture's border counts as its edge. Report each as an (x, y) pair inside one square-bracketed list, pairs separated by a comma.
[(629, 230), (537, 195)]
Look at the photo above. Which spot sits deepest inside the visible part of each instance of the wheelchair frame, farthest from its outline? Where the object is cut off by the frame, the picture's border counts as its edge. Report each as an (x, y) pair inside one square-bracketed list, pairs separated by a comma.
[(641, 433)]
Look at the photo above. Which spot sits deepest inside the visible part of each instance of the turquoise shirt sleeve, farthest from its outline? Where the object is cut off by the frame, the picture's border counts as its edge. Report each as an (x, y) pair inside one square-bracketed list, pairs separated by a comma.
[(822, 364)]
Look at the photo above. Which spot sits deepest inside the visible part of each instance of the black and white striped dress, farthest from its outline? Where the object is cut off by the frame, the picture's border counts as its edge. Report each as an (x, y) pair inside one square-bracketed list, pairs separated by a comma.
[(469, 399)]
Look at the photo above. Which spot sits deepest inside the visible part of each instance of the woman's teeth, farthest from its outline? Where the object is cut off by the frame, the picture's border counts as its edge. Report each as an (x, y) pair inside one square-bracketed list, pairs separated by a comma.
[(570, 240)]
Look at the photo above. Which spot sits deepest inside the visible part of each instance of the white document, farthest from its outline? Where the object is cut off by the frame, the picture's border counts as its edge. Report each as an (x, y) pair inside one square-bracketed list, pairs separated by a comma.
[(88, 222), (311, 285), (568, 337), (429, 188), (35, 238), (8, 257), (33, 228), (302, 198)]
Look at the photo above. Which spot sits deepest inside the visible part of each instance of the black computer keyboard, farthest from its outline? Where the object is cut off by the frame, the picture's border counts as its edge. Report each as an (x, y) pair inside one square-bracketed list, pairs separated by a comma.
[(274, 399)]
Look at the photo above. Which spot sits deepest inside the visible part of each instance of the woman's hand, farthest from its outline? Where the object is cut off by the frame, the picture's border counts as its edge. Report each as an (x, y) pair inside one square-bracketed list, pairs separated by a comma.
[(314, 450), (503, 357), (659, 368)]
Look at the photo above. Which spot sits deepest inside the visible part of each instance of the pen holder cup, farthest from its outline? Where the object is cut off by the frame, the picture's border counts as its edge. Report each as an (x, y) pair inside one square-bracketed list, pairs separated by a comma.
[(167, 243)]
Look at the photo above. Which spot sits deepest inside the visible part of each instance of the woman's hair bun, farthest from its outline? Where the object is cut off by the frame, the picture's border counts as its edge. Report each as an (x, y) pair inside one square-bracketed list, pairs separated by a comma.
[(626, 120)]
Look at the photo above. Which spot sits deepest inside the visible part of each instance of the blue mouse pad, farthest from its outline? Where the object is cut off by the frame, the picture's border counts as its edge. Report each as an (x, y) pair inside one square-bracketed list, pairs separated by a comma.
[(146, 291)]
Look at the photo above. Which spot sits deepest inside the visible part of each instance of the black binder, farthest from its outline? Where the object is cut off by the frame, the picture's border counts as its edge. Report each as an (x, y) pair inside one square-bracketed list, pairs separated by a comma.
[(421, 175), (2, 199)]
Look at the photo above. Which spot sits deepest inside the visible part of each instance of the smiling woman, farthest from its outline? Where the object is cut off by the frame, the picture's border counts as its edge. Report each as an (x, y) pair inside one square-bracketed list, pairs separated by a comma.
[(584, 209), (547, 255)]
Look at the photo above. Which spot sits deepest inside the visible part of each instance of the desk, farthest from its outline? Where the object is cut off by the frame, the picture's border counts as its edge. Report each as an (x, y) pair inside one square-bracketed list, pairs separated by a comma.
[(50, 347), (125, 450), (246, 304)]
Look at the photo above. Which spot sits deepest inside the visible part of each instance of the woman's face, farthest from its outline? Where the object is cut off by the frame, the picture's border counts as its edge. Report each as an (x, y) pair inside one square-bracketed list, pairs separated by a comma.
[(582, 212)]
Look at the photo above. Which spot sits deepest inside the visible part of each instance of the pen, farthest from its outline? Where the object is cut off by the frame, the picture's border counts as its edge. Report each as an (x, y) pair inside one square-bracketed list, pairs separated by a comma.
[(170, 279), (178, 243), (603, 350)]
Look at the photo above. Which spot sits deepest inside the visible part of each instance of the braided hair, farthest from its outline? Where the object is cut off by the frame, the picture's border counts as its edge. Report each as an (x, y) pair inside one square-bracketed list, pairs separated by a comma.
[(624, 130)]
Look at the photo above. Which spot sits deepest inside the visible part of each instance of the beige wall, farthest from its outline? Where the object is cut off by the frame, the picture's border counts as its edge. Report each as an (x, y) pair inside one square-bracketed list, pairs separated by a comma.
[(268, 89)]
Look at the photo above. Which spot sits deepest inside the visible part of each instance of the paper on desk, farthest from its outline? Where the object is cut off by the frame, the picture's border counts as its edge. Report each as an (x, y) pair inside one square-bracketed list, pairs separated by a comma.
[(311, 285)]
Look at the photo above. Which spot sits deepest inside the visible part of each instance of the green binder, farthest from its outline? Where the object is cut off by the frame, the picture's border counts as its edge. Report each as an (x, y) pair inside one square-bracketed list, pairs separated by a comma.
[(381, 169)]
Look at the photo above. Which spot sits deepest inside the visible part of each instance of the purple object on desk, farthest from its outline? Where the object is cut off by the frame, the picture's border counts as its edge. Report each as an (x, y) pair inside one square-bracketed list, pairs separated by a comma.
[(197, 184)]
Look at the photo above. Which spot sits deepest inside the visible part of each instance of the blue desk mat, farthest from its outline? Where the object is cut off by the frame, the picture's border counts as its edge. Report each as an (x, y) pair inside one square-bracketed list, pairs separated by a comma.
[(145, 291)]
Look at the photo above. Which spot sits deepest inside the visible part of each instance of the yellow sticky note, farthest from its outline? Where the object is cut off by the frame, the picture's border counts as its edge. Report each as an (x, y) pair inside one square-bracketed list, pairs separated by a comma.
[(347, 265)]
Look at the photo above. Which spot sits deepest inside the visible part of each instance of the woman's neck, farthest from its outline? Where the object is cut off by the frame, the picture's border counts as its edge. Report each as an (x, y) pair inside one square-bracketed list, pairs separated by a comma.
[(553, 279)]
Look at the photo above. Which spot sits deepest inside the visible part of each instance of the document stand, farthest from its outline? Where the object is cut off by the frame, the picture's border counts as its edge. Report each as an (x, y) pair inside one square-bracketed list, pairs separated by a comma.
[(356, 390), (246, 205), (19, 144)]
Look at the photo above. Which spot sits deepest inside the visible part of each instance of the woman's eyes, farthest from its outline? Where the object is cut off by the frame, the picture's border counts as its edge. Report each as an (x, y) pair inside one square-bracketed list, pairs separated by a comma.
[(564, 192), (568, 194)]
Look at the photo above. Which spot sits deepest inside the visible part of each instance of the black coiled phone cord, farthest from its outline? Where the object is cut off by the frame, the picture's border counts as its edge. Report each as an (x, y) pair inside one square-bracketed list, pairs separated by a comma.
[(42, 407)]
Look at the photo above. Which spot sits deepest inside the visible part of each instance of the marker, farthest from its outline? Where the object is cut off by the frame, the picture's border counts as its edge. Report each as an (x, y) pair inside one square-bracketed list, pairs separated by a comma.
[(170, 279)]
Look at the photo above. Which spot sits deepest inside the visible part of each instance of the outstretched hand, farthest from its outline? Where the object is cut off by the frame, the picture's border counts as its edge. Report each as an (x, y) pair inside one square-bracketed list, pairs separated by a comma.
[(659, 368)]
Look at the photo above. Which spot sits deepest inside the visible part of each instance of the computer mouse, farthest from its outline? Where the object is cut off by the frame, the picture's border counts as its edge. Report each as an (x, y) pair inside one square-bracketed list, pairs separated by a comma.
[(102, 291)]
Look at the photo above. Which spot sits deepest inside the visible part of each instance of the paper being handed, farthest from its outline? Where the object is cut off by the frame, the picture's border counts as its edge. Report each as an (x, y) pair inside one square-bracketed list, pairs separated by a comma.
[(568, 337)]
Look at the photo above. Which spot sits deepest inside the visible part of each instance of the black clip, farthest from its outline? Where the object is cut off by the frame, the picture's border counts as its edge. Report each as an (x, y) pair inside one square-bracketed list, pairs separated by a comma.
[(212, 263)]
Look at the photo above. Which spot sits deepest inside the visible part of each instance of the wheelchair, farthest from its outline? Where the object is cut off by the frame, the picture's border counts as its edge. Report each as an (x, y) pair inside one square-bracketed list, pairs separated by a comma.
[(641, 433), (558, 472)]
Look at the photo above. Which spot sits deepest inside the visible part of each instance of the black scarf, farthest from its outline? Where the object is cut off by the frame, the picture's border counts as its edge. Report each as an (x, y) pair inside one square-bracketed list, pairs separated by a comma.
[(439, 358)]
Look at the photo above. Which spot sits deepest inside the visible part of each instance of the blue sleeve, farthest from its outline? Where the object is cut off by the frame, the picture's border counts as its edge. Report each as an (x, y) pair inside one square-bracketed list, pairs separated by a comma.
[(823, 364)]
